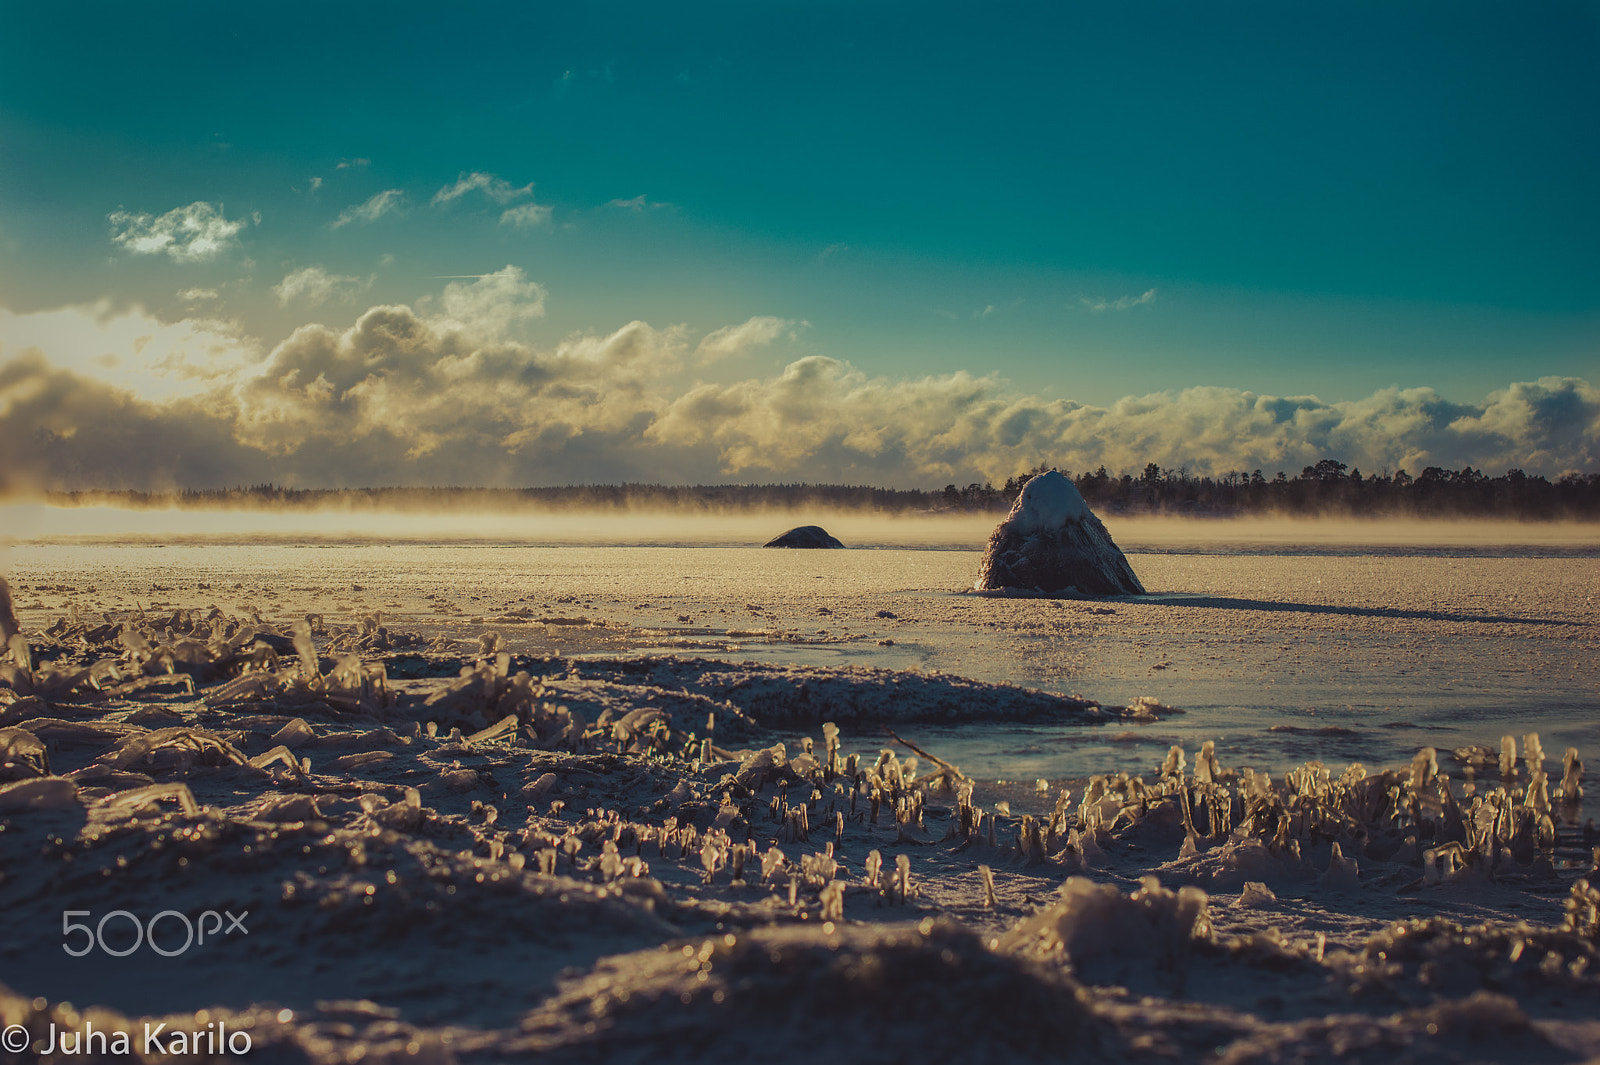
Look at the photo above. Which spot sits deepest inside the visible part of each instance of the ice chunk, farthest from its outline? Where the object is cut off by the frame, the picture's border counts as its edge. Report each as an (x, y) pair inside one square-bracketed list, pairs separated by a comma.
[(1255, 895)]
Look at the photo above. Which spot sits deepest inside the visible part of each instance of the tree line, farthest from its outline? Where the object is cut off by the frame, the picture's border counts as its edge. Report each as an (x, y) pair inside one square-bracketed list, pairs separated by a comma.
[(1329, 487)]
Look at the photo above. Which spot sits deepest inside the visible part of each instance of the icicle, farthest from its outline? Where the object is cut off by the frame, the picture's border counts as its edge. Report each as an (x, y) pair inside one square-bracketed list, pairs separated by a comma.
[(874, 867), (1571, 777), (1175, 763), (903, 889), (832, 898), (1533, 753), (1424, 767)]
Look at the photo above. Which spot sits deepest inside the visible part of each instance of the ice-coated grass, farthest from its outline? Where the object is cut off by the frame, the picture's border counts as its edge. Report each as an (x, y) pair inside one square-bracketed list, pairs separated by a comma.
[(443, 834)]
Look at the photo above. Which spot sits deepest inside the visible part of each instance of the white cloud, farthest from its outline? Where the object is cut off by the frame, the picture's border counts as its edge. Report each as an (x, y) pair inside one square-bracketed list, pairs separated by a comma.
[(734, 340), (349, 164), (317, 286), (194, 233), (497, 189), (445, 392), (385, 202), (198, 295), (458, 394), (492, 302), (825, 418), (1122, 303), (526, 216)]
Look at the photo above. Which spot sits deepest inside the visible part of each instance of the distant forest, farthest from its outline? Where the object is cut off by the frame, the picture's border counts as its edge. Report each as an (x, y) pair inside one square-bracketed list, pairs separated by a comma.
[(1328, 488)]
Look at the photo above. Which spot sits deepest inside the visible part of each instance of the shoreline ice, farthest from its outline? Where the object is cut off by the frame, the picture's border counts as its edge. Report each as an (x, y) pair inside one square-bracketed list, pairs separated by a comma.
[(489, 857)]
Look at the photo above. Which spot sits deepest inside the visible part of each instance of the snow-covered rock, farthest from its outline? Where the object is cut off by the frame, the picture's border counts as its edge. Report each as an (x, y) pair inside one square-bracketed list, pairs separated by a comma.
[(1051, 542), (805, 536)]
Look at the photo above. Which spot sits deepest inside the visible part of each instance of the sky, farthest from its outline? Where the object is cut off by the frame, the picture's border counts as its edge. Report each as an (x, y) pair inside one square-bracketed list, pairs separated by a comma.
[(886, 243)]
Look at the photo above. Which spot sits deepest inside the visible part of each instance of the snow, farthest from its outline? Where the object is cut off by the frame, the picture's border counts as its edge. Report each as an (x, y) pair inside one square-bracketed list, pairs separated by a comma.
[(1048, 502)]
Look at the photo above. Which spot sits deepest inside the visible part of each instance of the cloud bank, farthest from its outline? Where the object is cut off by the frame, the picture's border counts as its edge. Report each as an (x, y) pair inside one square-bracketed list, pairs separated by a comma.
[(444, 392)]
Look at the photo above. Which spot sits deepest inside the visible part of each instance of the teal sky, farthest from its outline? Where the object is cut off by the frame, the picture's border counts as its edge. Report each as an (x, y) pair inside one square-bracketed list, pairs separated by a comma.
[(1088, 202)]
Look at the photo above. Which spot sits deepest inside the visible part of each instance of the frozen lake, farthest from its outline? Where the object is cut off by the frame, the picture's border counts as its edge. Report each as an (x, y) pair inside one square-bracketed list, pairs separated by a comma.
[(1281, 641), (483, 856)]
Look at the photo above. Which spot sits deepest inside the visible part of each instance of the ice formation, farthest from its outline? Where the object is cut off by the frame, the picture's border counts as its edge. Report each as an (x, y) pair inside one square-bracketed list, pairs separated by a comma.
[(647, 873), (805, 536), (1051, 542)]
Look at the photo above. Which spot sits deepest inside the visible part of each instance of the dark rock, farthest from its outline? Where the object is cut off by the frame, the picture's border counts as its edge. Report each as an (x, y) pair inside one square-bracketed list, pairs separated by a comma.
[(1051, 542), (805, 536)]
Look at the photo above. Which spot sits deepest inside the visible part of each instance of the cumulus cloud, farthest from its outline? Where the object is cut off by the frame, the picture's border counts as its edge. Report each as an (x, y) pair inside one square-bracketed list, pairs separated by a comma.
[(445, 391), (824, 413), (732, 340), (198, 295), (497, 189), (315, 285), (452, 387), (1122, 303), (194, 233), (492, 302), (385, 202)]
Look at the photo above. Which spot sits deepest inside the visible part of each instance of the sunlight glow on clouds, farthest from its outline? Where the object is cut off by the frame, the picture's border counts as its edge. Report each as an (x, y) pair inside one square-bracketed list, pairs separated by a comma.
[(445, 391), (130, 349), (452, 386), (194, 233)]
